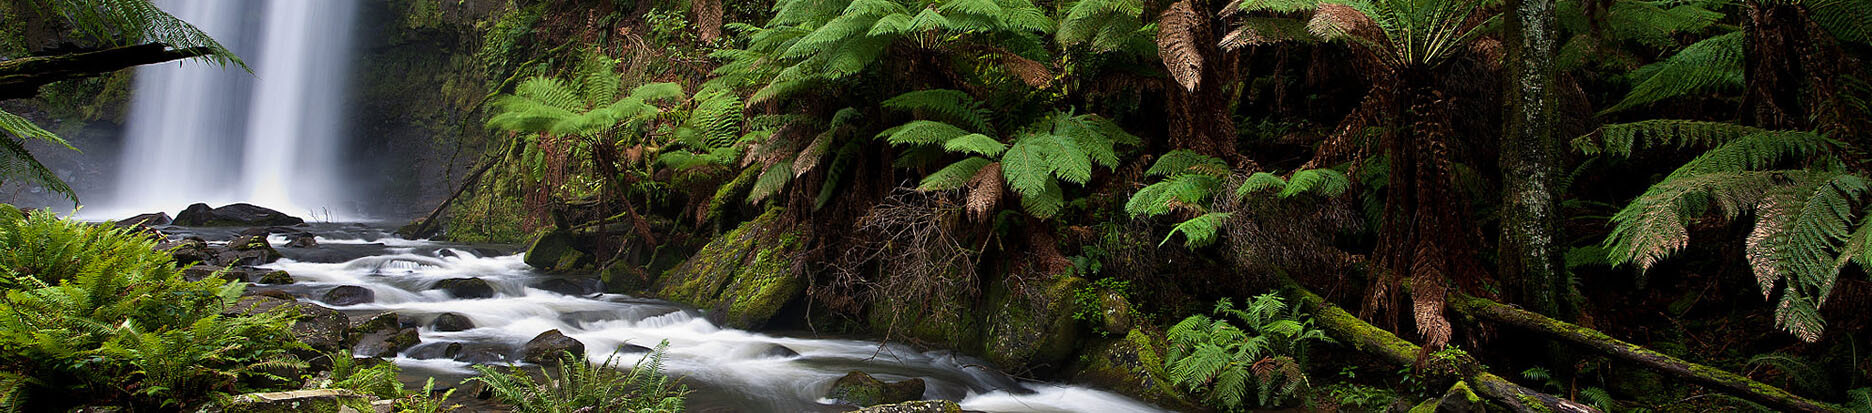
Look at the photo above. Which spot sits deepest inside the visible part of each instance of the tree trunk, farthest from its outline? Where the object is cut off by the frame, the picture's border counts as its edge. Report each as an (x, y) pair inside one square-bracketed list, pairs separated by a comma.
[(1376, 341), (1776, 38), (21, 78), (1528, 258), (1703, 375), (1199, 120)]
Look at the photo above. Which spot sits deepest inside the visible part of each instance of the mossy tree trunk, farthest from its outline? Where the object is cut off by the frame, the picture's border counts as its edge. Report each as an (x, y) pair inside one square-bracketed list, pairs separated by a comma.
[(1706, 376), (21, 78), (1529, 164), (1365, 337)]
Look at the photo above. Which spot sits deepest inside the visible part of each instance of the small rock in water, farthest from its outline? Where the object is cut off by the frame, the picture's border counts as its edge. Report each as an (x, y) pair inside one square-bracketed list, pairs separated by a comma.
[(466, 287), (188, 250), (452, 322), (572, 287), (433, 351), (301, 240), (779, 351), (322, 328), (248, 250), (376, 323), (381, 344), (276, 277), (861, 389), (484, 354), (920, 406), (633, 349), (347, 295), (550, 347)]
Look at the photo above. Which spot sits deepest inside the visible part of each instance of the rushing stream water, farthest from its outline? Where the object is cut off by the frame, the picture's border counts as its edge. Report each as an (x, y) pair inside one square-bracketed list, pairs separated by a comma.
[(730, 369)]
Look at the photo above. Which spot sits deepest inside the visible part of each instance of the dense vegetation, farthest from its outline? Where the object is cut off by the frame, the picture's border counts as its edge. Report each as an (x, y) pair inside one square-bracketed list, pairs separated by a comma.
[(1688, 176)]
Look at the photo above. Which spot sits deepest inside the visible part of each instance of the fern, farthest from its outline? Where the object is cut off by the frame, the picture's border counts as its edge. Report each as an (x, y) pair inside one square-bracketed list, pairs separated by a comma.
[(1199, 231), (944, 105), (770, 182), (1714, 64), (582, 386), (16, 162), (1622, 139), (1218, 360), (130, 22), (954, 176)]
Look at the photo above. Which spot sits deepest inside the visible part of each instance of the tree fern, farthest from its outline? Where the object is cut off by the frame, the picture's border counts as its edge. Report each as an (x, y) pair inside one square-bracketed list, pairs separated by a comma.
[(131, 22), (950, 106), (1714, 64), (954, 176), (18, 163), (1623, 139), (1218, 360), (1199, 231)]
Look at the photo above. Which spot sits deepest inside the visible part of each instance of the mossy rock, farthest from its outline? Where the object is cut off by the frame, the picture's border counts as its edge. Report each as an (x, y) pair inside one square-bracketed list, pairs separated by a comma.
[(1034, 330), (744, 277), (953, 324), (861, 389), (292, 402), (1133, 365), (557, 251), (920, 406)]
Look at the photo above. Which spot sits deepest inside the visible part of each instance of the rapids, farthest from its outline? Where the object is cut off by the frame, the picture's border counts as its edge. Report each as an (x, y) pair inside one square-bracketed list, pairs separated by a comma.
[(729, 369)]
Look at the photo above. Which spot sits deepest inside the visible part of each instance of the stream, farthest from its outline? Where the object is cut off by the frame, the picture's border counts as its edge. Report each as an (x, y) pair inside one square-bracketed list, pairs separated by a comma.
[(729, 370)]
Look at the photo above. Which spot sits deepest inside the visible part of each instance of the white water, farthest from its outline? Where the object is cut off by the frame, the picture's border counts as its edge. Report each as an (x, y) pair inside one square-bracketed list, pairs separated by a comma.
[(203, 133), (732, 369)]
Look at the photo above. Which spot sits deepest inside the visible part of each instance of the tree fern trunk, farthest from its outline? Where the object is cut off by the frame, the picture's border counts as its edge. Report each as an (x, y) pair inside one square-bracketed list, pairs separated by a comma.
[(1199, 120), (1776, 38), (1529, 247)]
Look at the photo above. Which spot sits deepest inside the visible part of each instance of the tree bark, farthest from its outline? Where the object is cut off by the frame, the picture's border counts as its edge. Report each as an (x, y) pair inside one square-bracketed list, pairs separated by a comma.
[(1376, 341), (1529, 253), (21, 78), (1706, 376)]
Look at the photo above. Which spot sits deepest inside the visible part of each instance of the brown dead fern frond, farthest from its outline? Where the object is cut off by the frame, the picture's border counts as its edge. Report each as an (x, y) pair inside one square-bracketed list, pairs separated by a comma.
[(1176, 41)]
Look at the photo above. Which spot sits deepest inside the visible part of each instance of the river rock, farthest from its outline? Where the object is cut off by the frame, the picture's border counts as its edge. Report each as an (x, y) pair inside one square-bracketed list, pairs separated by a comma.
[(276, 277), (322, 328), (235, 215), (556, 251), (465, 287), (779, 351), (1133, 365), (1031, 326), (572, 286), (188, 250), (385, 344), (744, 277), (323, 400), (633, 349), (346, 295), (550, 347), (301, 240), (861, 389), (248, 250), (484, 354), (146, 220), (381, 322), (452, 322), (920, 406), (434, 351)]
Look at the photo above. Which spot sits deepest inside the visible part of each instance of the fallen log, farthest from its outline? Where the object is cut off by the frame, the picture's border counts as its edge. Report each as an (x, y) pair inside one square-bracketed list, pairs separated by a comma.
[(1365, 337), (21, 78), (1710, 377)]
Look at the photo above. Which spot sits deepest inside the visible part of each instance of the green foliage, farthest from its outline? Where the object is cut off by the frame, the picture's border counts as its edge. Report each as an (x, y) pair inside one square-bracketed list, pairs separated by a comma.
[(1711, 65), (1623, 139), (1804, 218), (583, 387), (1089, 301), (127, 23), (1192, 180), (1219, 360), (1107, 25), (379, 379), (18, 163), (96, 311), (1410, 32)]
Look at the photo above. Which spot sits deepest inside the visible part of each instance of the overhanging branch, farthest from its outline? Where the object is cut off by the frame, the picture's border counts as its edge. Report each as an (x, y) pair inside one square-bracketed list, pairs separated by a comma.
[(21, 78)]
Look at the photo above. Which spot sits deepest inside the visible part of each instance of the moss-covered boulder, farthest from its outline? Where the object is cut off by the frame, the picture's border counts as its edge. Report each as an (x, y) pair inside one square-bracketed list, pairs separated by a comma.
[(292, 402), (921, 406), (557, 251), (861, 389), (744, 277), (1031, 326), (1133, 365)]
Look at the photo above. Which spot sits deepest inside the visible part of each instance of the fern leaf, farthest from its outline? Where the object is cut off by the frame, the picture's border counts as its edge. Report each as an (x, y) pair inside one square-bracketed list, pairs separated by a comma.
[(922, 132), (1025, 168), (1047, 203), (1176, 42), (1261, 181), (1623, 139), (770, 182), (1322, 182), (954, 176), (1200, 231), (975, 143), (1714, 64), (948, 105)]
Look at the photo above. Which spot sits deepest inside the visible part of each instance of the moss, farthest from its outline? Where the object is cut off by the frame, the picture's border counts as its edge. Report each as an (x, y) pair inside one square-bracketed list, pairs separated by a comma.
[(742, 277), (1031, 331), (556, 251), (1133, 365)]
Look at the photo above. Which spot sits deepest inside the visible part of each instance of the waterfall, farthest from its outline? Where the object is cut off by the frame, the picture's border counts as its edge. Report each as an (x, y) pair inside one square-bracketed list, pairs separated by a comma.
[(202, 133)]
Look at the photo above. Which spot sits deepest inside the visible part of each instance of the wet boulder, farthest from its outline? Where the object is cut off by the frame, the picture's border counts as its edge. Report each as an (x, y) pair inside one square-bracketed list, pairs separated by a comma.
[(188, 250), (248, 250), (743, 277), (234, 215), (435, 351), (324, 400), (485, 354), (465, 287), (572, 286), (452, 322), (152, 219), (1133, 365), (275, 278), (1034, 328), (380, 322), (550, 347), (557, 251), (633, 349), (920, 406), (779, 351), (322, 328), (348, 295), (859, 388), (301, 240), (385, 344)]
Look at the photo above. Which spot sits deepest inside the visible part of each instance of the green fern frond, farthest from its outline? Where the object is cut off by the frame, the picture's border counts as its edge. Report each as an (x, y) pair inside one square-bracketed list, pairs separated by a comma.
[(922, 132), (1046, 203), (1623, 139), (1711, 65), (17, 162), (1200, 231), (771, 182), (954, 176), (1322, 182), (951, 106), (1188, 190), (975, 143), (1848, 20), (1185, 161)]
